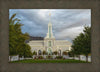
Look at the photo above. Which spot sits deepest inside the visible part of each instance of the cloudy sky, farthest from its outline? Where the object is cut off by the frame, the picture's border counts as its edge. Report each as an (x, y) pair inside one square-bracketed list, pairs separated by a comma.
[(67, 23)]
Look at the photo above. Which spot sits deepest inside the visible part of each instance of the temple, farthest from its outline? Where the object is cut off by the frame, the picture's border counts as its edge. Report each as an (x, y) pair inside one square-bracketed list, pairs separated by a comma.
[(50, 44)]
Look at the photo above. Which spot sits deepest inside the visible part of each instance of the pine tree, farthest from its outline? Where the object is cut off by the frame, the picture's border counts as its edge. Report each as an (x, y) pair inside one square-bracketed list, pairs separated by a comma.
[(82, 43)]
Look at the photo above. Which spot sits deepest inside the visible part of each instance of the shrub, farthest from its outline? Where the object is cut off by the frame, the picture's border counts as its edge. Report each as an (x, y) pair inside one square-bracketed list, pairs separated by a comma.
[(55, 52), (34, 53), (49, 57), (40, 57), (59, 57), (63, 58), (35, 58), (64, 53), (44, 52)]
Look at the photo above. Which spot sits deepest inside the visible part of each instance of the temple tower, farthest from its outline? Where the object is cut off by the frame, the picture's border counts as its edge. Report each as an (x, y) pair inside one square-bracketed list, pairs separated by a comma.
[(49, 40), (49, 34)]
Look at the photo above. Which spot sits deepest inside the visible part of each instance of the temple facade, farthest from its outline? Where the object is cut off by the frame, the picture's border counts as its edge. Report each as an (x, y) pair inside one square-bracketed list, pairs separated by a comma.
[(50, 44)]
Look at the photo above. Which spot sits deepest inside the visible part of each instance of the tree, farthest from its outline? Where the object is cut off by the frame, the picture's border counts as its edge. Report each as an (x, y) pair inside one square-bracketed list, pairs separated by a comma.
[(24, 50), (17, 39), (34, 53), (64, 53), (71, 53), (87, 42), (55, 52), (77, 45), (44, 52), (13, 35), (82, 43)]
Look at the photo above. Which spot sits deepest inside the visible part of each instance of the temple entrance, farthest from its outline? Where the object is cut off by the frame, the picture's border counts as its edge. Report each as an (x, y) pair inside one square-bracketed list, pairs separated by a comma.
[(49, 51), (59, 52)]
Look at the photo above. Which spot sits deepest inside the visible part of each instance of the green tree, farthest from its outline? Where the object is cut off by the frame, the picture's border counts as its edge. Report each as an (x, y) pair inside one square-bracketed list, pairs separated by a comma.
[(64, 53), (55, 52), (17, 39), (44, 52), (13, 35), (71, 53), (77, 45), (24, 50), (82, 43), (34, 53), (86, 49)]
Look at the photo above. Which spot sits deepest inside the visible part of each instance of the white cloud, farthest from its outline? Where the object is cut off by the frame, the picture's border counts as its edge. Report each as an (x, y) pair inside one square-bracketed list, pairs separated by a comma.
[(69, 33)]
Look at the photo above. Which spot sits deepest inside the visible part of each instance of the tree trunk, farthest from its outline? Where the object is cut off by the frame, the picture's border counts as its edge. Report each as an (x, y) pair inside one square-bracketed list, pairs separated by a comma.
[(79, 57), (73, 56), (86, 58), (18, 57)]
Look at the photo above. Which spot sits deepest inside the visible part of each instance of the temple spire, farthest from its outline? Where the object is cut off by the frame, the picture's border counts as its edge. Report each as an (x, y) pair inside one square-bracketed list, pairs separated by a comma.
[(50, 33)]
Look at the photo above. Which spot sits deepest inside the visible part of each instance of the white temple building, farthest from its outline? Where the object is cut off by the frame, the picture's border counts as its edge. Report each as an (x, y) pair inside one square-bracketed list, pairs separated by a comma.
[(50, 44)]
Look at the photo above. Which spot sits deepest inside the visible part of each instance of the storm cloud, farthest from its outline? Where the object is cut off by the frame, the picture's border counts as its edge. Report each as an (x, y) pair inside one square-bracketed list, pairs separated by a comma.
[(67, 23)]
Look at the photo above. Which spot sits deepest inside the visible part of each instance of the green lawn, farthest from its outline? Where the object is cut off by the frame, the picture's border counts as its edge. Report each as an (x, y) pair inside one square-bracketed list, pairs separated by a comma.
[(49, 61)]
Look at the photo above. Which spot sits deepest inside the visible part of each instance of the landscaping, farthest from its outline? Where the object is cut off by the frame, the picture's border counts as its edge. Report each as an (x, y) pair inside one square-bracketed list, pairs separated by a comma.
[(49, 61)]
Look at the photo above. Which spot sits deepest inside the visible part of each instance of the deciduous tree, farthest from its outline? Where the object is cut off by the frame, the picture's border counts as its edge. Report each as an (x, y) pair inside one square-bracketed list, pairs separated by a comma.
[(17, 39)]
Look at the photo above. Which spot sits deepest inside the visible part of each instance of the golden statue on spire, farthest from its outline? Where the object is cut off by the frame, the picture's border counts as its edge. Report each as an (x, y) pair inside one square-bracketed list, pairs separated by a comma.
[(49, 14), (49, 17)]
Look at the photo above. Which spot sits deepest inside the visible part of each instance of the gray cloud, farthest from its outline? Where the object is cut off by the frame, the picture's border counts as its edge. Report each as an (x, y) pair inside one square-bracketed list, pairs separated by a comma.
[(67, 23)]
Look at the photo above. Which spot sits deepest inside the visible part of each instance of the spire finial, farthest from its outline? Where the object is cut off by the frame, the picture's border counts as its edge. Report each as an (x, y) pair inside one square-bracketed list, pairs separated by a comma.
[(49, 14), (49, 17)]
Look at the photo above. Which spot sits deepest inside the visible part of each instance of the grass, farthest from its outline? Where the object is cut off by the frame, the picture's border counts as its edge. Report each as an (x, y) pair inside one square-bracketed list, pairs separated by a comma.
[(48, 61)]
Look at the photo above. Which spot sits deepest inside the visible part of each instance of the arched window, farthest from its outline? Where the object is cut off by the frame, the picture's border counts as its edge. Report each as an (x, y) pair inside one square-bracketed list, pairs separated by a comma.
[(49, 51), (49, 43), (59, 52), (39, 52)]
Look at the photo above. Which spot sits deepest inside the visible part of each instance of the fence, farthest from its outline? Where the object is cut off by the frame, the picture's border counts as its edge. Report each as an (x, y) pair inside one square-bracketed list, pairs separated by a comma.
[(15, 58), (82, 57), (53, 56)]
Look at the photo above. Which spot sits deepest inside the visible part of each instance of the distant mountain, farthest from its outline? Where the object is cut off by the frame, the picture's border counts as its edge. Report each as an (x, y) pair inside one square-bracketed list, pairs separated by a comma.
[(34, 38)]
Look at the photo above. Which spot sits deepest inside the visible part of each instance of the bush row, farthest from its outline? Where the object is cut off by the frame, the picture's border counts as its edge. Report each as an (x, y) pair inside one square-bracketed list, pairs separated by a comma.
[(48, 57)]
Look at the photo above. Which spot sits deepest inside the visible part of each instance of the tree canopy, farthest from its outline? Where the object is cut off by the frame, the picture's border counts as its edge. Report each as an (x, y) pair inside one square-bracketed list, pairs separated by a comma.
[(17, 39), (82, 43)]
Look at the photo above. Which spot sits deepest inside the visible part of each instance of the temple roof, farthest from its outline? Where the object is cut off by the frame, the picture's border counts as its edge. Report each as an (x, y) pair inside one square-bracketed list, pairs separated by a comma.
[(63, 42), (37, 42)]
